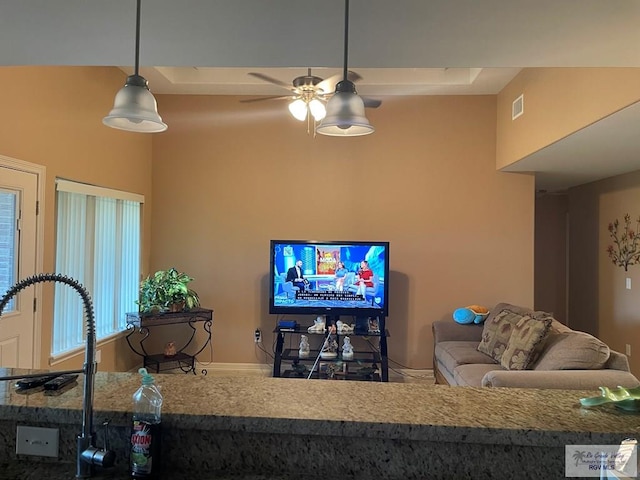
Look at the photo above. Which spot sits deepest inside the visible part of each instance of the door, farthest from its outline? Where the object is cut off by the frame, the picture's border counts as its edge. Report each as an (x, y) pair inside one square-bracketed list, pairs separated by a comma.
[(18, 216)]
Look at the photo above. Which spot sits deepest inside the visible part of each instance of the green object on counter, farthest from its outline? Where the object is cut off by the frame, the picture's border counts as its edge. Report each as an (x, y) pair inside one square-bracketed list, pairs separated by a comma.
[(627, 399)]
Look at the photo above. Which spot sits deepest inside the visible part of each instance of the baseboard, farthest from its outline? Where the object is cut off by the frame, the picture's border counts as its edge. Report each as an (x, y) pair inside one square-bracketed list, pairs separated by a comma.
[(255, 368), (409, 375), (406, 375)]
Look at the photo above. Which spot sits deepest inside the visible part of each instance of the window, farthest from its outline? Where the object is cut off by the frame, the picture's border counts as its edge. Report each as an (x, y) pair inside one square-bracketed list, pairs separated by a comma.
[(8, 239), (97, 244)]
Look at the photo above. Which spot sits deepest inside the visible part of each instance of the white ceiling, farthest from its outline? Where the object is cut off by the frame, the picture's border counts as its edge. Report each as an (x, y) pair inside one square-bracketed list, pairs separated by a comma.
[(400, 47)]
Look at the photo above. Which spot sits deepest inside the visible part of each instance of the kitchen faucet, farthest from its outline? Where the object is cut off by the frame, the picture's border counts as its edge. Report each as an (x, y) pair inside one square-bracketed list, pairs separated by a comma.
[(88, 454)]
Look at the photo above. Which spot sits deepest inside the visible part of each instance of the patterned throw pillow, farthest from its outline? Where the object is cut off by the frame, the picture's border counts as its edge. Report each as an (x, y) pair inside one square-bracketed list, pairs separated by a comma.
[(526, 336), (496, 333)]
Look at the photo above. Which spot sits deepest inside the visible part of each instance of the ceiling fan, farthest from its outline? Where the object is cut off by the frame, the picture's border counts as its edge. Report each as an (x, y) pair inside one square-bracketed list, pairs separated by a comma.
[(309, 93)]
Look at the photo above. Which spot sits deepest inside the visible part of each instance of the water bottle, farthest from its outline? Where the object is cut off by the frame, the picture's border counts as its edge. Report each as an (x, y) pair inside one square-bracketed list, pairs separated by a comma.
[(145, 435)]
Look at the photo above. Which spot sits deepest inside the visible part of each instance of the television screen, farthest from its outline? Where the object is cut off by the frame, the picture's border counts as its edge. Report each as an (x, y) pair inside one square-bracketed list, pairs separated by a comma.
[(329, 278)]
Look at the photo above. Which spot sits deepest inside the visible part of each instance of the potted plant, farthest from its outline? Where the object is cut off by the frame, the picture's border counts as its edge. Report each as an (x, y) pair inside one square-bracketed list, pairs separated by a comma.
[(167, 291)]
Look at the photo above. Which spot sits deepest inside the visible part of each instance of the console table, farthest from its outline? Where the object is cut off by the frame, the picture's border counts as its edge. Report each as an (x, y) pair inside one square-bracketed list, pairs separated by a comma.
[(144, 322)]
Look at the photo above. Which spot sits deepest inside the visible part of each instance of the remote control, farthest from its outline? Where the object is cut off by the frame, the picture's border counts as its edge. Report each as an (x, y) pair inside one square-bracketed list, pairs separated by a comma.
[(27, 383), (59, 382)]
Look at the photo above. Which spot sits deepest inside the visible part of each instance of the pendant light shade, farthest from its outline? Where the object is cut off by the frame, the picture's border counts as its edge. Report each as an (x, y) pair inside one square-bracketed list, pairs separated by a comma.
[(345, 109), (298, 109), (135, 108), (317, 109), (345, 114)]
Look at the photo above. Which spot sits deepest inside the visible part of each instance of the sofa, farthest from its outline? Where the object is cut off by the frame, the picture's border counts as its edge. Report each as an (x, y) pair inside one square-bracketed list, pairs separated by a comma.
[(522, 348)]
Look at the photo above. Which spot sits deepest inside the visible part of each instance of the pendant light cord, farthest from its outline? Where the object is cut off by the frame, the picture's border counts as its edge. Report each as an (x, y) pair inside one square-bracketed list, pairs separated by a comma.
[(138, 37), (346, 37)]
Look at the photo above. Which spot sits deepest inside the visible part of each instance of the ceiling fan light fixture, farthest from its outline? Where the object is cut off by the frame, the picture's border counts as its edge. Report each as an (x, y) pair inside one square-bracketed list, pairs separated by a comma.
[(317, 109), (135, 108), (298, 109)]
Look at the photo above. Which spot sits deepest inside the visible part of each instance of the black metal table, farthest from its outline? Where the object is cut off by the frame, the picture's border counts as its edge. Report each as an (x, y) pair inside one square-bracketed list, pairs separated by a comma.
[(143, 322)]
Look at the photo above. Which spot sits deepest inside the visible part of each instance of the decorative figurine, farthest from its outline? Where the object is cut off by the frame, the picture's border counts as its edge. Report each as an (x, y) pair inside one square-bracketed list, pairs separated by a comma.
[(318, 325), (344, 328), (304, 347), (299, 369), (170, 349), (347, 349), (329, 348), (332, 368)]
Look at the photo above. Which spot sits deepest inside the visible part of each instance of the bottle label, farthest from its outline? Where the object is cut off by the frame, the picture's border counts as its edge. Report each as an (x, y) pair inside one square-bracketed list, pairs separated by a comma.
[(144, 444)]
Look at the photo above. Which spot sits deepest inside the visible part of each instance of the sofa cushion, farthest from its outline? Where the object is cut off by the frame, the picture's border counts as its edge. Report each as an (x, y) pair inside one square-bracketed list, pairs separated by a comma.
[(458, 352), (523, 346), (471, 375), (572, 350)]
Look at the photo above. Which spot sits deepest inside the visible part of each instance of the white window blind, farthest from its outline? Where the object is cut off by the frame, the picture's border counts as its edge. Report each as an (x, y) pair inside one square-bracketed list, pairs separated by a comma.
[(97, 244)]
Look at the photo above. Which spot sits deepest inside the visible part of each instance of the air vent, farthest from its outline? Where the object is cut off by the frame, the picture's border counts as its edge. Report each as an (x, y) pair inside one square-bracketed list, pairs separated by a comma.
[(517, 107)]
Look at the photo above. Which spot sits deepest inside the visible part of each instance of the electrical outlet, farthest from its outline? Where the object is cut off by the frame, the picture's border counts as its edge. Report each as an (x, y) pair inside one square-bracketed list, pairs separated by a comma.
[(257, 336), (628, 283), (37, 441), (98, 356), (628, 349)]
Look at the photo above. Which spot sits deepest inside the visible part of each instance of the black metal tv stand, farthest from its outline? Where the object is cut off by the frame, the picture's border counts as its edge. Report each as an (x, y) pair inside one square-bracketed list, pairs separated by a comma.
[(365, 365)]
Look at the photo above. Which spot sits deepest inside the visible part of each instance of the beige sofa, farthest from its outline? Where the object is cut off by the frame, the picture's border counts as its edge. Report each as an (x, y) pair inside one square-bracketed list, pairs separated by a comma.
[(555, 356)]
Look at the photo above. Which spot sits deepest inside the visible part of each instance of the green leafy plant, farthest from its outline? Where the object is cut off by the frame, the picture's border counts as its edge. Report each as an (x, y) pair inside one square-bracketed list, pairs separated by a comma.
[(625, 250), (167, 291)]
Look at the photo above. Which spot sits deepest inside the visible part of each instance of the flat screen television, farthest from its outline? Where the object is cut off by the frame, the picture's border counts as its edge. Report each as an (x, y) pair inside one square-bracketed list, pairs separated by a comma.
[(329, 278)]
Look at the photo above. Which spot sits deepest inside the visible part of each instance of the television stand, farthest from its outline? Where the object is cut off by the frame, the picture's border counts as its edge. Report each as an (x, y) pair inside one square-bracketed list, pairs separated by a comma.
[(365, 365)]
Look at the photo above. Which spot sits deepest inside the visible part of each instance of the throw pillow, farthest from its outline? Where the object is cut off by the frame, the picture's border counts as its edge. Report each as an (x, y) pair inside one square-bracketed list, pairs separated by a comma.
[(496, 333), (522, 349)]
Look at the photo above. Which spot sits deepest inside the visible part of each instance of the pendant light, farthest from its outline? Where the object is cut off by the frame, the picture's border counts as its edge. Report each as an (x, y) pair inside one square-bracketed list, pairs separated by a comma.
[(345, 109), (135, 108)]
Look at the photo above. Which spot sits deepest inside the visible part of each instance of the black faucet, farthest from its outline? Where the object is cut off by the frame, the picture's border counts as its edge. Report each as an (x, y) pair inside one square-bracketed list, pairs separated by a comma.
[(88, 454)]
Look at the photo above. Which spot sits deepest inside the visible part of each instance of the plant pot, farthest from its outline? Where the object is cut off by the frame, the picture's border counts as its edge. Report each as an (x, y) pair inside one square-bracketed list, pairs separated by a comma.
[(176, 307)]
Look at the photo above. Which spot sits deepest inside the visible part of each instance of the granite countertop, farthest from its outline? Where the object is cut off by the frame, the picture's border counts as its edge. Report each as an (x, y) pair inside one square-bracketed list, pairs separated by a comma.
[(341, 408), (58, 471)]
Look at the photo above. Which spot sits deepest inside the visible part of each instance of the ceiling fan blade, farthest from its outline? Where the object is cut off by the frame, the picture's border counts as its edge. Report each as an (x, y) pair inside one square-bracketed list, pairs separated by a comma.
[(328, 85), (353, 76), (269, 79), (260, 99), (371, 102)]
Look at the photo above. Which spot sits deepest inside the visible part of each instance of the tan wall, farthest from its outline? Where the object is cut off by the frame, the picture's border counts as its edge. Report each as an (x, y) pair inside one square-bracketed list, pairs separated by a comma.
[(598, 299), (558, 102), (229, 176), (550, 279), (52, 116)]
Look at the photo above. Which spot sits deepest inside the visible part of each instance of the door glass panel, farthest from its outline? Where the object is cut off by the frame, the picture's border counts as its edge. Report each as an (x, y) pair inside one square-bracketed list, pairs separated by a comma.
[(8, 241)]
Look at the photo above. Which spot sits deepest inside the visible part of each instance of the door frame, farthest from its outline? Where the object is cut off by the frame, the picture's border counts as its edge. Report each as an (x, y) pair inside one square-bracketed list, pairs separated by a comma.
[(40, 172)]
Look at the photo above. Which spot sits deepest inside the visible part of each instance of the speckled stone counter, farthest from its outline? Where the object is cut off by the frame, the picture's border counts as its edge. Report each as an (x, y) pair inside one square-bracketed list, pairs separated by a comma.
[(238, 427)]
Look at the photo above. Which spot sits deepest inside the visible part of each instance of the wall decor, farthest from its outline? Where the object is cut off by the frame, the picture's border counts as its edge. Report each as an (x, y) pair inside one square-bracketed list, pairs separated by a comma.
[(625, 250)]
